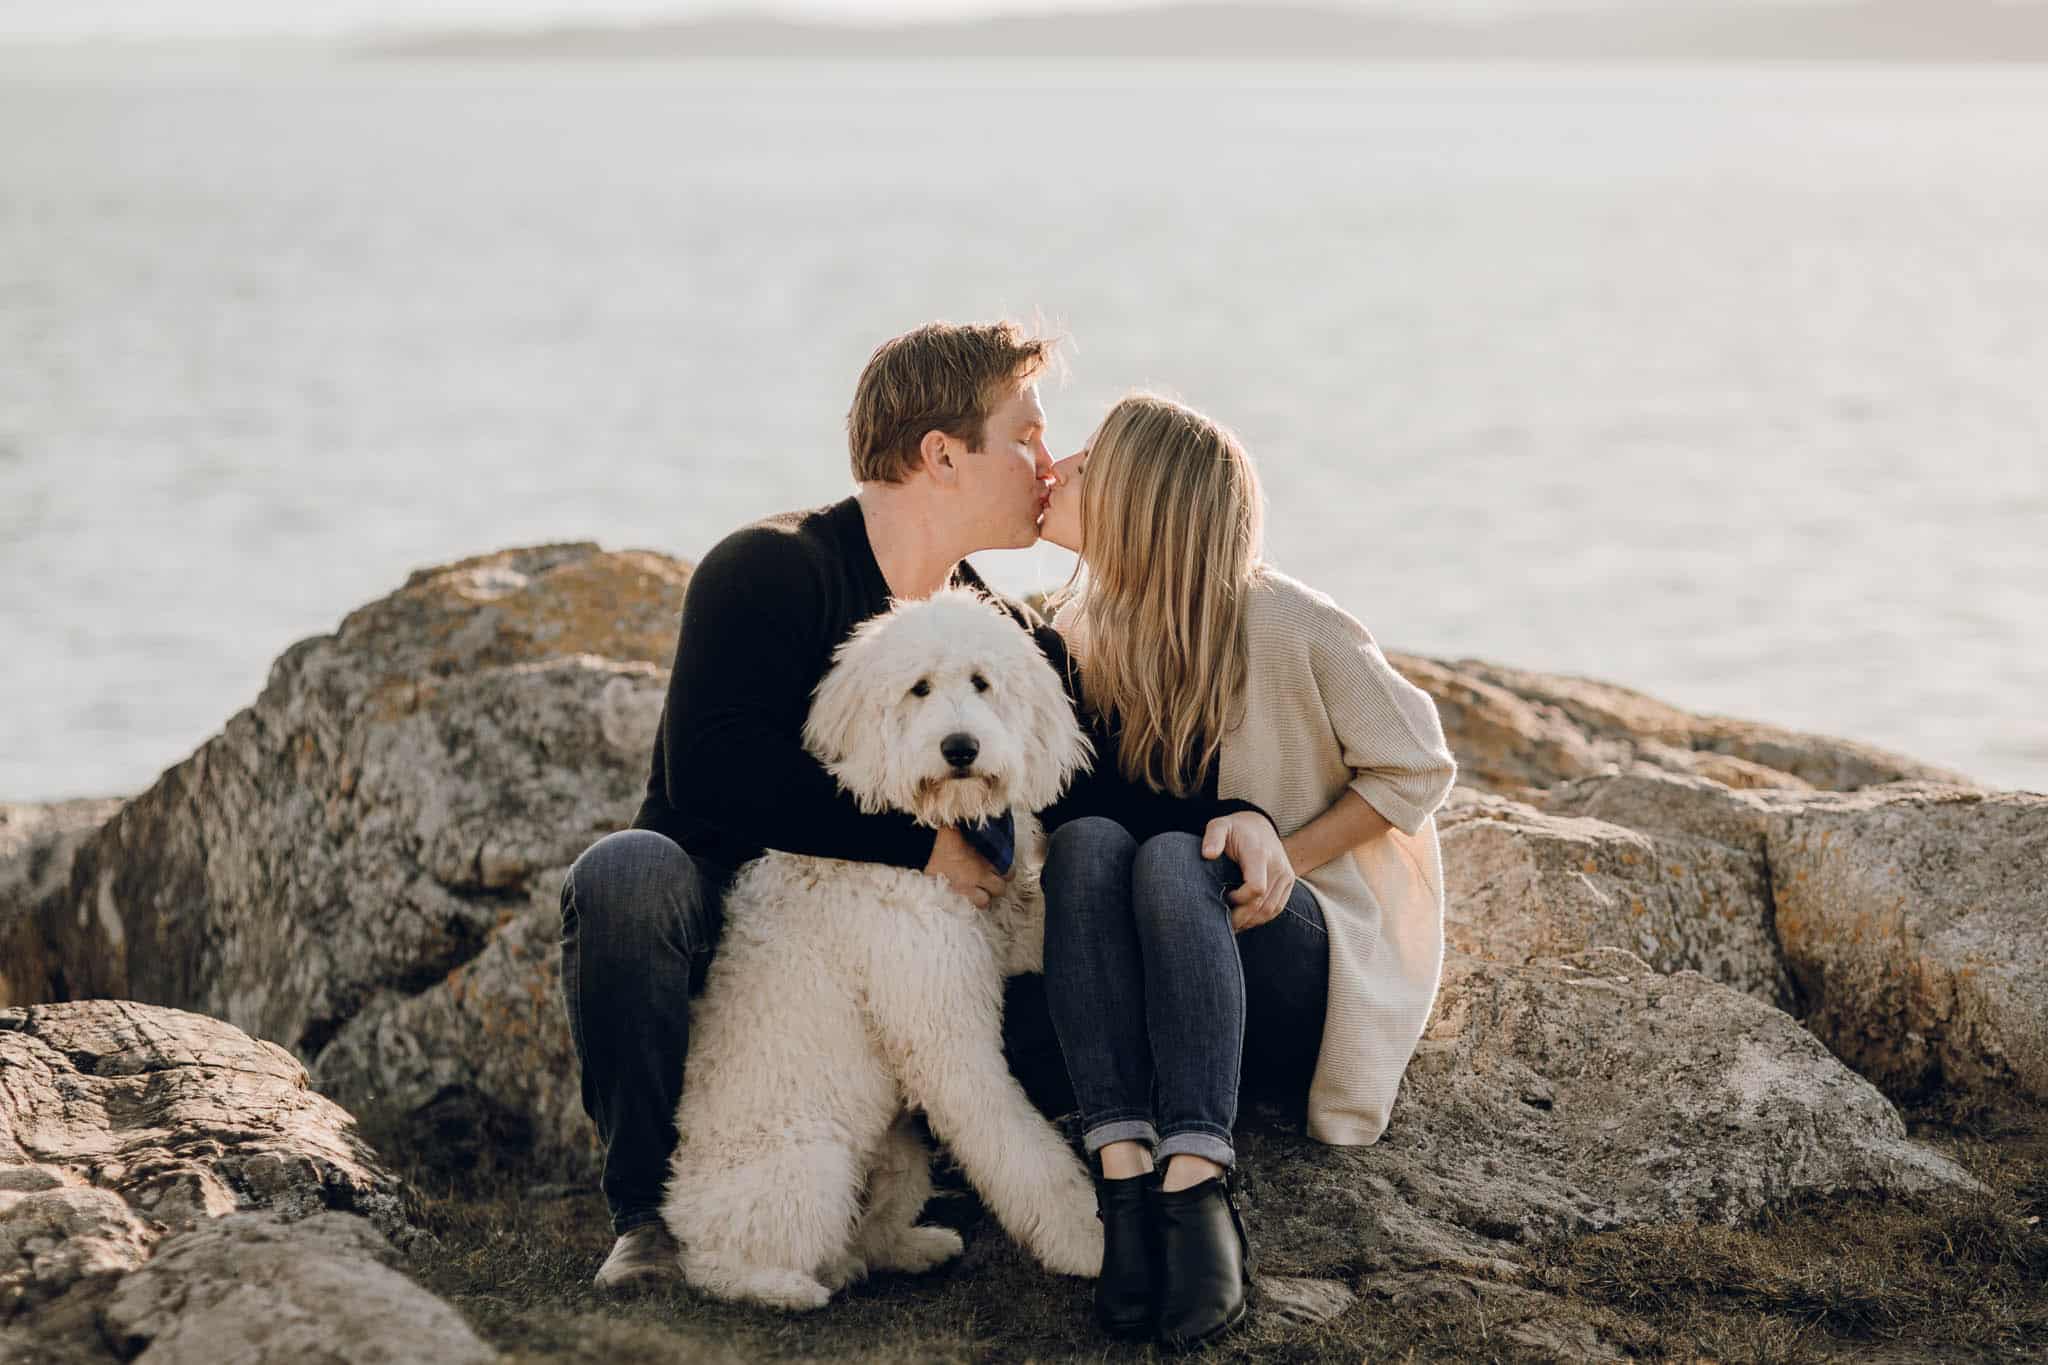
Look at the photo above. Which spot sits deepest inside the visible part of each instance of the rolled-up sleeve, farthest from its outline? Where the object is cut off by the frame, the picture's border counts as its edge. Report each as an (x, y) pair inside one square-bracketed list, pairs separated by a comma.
[(1388, 729)]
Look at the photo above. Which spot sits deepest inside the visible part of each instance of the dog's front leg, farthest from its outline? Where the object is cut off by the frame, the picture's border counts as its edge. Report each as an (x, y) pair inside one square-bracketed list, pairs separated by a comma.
[(940, 1020)]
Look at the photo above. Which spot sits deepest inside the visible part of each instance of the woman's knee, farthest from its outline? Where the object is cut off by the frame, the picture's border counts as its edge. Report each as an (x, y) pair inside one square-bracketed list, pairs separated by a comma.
[(1170, 878), (1095, 835), (1093, 850), (1176, 858)]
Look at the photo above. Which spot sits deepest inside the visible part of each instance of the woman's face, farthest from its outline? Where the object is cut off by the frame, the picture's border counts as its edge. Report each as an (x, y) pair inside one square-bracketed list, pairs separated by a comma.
[(1062, 523)]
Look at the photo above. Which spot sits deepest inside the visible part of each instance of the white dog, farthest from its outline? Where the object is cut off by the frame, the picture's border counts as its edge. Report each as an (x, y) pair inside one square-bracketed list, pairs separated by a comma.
[(844, 995)]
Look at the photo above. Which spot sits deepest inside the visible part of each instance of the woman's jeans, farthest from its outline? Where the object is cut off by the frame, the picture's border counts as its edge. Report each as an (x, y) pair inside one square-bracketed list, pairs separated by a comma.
[(640, 921), (1159, 1007)]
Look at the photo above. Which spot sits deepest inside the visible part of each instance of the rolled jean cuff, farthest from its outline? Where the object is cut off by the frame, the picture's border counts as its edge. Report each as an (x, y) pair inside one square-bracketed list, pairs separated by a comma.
[(626, 1222), (1212, 1144), (1119, 1130)]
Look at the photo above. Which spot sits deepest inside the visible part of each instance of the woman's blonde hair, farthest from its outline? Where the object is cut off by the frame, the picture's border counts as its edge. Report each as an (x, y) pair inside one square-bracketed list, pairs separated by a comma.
[(1172, 523)]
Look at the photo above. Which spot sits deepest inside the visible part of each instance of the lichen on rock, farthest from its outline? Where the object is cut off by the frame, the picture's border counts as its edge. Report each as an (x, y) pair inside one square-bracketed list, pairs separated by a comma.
[(363, 865)]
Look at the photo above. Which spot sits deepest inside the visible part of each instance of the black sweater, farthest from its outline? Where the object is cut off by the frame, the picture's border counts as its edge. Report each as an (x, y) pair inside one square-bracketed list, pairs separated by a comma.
[(1104, 791), (764, 611)]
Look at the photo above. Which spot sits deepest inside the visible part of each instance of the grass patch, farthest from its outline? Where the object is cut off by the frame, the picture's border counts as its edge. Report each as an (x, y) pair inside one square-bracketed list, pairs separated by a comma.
[(1854, 1279), (1951, 1278), (517, 1253)]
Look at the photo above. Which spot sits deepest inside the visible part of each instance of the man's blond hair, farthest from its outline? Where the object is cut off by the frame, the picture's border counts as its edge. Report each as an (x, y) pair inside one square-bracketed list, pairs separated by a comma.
[(940, 377)]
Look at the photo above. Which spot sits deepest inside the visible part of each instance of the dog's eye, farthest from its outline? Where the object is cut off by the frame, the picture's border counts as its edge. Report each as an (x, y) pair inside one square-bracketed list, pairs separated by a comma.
[(980, 683), (921, 688)]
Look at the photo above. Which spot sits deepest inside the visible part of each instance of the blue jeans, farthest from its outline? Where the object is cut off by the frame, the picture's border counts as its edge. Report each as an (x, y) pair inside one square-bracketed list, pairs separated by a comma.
[(1158, 1005), (640, 922)]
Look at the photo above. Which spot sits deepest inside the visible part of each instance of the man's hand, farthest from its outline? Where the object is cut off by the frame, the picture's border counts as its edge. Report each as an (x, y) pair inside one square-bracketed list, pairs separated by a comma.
[(956, 863), (1254, 845)]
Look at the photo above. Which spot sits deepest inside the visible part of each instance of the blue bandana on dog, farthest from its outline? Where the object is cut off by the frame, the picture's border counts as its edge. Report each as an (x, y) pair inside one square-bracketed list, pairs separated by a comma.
[(994, 839)]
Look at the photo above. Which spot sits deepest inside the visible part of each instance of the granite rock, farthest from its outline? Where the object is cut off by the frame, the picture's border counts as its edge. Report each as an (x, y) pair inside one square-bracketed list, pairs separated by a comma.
[(251, 1288), (1912, 917), (1916, 921), (37, 845), (1523, 883), (123, 1125), (363, 865), (1560, 1097), (1516, 731), (182, 1117), (401, 792)]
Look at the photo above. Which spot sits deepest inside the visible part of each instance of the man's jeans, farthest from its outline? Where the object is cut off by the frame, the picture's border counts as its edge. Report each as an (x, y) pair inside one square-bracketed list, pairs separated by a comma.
[(1158, 1005), (640, 921)]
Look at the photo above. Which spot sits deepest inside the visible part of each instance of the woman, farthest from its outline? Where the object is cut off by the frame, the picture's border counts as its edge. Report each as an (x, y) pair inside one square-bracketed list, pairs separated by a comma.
[(1251, 872)]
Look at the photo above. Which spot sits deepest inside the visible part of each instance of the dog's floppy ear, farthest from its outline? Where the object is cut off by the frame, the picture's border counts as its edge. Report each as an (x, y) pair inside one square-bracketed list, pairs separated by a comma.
[(845, 721), (1055, 749)]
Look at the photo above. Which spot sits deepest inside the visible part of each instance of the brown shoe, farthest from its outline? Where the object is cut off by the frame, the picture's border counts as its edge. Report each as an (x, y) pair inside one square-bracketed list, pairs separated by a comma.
[(643, 1256)]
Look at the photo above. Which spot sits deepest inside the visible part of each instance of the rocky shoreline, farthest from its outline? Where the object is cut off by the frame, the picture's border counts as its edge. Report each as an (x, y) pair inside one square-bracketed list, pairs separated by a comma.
[(1697, 963)]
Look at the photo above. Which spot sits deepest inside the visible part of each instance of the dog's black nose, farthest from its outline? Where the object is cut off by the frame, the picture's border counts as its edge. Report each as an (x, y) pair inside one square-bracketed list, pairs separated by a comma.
[(960, 749)]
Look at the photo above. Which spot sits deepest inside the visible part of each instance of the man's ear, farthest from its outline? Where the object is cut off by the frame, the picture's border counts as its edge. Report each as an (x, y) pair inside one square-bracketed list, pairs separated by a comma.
[(935, 458)]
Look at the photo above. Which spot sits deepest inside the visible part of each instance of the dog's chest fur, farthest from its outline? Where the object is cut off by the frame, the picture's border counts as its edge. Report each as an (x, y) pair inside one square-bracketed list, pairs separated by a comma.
[(794, 906)]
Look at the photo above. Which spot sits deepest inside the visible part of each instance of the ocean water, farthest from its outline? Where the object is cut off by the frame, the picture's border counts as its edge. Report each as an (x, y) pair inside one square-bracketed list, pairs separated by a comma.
[(1729, 384)]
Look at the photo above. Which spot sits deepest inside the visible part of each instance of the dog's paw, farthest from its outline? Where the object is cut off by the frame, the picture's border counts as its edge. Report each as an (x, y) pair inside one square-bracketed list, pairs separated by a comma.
[(842, 1270), (916, 1250), (783, 1289), (1071, 1244)]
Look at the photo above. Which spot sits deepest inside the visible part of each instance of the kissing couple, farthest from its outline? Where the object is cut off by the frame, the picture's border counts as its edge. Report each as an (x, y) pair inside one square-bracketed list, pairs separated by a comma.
[(1242, 896)]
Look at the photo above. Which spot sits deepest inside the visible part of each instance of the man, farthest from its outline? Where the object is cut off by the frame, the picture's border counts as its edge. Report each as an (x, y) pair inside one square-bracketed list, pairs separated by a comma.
[(947, 437)]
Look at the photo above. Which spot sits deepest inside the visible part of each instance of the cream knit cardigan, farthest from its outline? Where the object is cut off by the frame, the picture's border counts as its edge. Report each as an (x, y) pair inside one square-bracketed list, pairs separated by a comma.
[(1324, 710)]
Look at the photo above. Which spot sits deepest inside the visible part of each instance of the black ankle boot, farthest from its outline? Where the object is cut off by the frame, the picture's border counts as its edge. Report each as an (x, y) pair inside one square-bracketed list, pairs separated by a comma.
[(1205, 1263), (1127, 1294)]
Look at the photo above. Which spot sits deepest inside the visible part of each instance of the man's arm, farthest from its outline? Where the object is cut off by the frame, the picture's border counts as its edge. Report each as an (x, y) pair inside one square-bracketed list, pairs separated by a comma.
[(755, 618)]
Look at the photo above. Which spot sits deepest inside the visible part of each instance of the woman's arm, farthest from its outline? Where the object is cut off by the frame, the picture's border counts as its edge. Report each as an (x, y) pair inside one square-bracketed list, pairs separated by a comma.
[(1387, 728), (1349, 822)]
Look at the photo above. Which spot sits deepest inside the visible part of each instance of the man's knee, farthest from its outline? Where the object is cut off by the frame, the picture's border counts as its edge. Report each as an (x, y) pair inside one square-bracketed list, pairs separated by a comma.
[(636, 885)]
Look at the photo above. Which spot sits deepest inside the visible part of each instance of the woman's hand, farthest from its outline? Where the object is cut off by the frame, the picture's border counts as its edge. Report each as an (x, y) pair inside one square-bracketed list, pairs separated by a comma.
[(1250, 841)]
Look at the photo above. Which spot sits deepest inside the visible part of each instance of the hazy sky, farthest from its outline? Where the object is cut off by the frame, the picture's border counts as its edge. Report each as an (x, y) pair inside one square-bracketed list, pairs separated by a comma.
[(60, 19), (165, 18)]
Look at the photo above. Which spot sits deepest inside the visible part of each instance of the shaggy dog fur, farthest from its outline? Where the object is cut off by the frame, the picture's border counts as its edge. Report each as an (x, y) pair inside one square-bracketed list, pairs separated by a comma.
[(844, 995)]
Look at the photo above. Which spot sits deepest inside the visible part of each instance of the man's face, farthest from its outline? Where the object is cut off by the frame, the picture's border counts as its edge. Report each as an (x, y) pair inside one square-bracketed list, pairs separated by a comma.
[(1005, 482)]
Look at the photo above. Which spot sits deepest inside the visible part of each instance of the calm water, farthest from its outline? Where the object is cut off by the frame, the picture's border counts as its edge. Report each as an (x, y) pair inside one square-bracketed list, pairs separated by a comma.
[(1726, 384)]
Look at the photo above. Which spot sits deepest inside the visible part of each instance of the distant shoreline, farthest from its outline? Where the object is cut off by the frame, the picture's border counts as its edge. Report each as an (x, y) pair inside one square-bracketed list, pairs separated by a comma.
[(1881, 31)]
